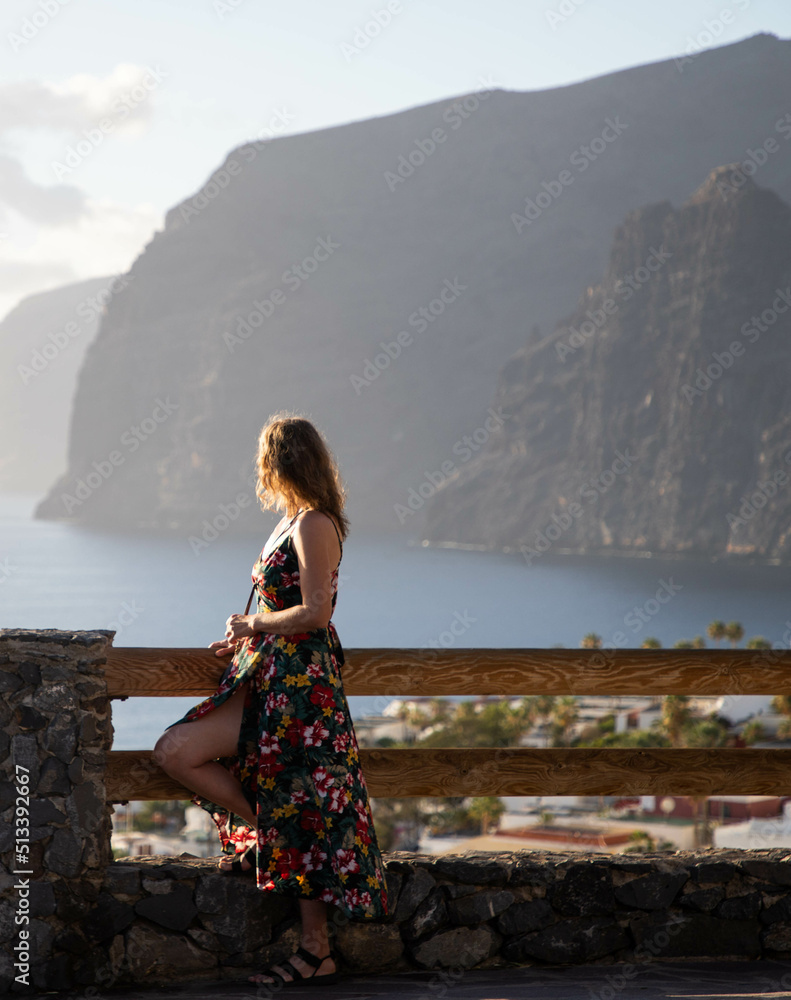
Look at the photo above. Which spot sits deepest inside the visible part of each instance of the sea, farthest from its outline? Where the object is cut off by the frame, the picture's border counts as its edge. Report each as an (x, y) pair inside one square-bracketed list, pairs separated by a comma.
[(156, 590)]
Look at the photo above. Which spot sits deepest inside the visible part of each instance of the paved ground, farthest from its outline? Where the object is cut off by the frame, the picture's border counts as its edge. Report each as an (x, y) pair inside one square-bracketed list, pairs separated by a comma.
[(650, 981)]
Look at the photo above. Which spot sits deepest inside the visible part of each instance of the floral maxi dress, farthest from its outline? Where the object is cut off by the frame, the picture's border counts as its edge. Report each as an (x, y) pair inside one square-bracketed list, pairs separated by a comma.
[(297, 757)]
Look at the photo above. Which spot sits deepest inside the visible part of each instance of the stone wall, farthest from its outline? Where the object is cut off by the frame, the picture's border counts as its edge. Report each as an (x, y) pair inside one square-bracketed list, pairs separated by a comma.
[(55, 821), (90, 922), (159, 920)]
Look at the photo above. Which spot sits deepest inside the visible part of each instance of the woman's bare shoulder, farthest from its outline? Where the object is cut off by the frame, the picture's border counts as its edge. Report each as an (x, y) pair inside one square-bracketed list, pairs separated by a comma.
[(314, 527), (316, 522)]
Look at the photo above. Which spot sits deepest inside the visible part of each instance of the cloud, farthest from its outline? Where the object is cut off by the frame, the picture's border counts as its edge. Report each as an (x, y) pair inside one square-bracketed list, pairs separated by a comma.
[(32, 105), (56, 233), (75, 106), (81, 101)]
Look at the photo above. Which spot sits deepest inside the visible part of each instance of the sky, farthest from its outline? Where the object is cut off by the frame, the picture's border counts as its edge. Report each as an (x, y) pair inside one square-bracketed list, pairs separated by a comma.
[(112, 111)]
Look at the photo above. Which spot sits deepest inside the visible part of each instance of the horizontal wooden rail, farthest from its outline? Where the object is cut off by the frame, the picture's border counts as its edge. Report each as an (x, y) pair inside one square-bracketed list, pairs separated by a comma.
[(142, 671), (399, 773)]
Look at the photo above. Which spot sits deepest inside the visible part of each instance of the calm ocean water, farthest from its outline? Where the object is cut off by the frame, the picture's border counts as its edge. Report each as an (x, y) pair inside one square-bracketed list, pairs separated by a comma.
[(392, 592)]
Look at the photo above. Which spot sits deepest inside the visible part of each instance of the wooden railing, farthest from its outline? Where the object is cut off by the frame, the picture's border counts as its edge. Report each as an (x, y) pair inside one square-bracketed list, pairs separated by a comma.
[(416, 771)]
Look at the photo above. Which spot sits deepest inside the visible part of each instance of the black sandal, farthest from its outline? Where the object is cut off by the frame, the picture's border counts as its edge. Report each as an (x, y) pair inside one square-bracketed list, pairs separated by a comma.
[(298, 979), (236, 864)]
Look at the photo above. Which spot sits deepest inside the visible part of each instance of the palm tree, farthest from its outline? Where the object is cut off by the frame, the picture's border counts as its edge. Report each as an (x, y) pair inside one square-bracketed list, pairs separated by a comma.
[(591, 641), (683, 644), (698, 642), (526, 712), (709, 732), (716, 631), (404, 713), (734, 632), (651, 643), (565, 714), (543, 706), (758, 642), (487, 810), (676, 714)]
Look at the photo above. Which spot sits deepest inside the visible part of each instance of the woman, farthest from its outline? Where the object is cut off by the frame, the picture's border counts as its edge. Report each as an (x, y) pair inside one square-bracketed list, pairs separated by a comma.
[(287, 793)]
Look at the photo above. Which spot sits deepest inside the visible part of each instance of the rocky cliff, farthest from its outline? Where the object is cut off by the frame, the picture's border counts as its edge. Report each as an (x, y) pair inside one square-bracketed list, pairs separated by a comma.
[(43, 342), (377, 276), (656, 417)]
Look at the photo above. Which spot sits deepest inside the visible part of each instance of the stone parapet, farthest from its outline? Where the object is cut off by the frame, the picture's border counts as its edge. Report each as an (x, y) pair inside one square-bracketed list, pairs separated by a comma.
[(159, 920), (55, 831), (72, 918)]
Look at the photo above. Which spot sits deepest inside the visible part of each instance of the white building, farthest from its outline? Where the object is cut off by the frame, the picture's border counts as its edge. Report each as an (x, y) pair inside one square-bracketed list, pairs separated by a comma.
[(198, 836), (757, 833)]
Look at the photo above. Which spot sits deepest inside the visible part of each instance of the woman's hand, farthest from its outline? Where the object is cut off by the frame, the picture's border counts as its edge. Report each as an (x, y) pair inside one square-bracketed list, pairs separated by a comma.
[(239, 627), (223, 647)]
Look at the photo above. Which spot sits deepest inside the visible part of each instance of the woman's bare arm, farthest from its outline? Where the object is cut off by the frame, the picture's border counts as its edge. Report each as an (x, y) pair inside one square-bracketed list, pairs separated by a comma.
[(316, 547)]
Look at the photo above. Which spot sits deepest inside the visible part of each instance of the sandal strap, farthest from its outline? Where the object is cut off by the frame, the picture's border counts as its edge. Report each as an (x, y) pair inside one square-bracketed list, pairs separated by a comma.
[(274, 974), (310, 959), (307, 957), (249, 856), (292, 970)]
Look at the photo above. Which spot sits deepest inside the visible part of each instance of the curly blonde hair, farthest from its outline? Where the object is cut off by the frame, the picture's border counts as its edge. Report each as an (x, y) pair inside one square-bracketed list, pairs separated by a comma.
[(296, 469)]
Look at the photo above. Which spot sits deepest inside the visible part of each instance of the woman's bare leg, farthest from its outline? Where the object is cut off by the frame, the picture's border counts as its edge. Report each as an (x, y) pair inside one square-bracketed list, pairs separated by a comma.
[(187, 753), (315, 933), (315, 939)]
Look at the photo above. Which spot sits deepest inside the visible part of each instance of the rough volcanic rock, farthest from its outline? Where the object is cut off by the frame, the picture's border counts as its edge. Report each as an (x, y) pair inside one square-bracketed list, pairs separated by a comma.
[(642, 422)]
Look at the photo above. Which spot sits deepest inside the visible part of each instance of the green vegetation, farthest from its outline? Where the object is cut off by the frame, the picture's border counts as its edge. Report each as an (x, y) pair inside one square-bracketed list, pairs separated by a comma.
[(549, 720), (753, 731), (782, 705), (642, 842)]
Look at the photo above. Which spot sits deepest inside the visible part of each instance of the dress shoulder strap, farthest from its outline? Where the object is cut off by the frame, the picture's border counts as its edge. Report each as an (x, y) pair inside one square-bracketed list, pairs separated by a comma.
[(340, 540)]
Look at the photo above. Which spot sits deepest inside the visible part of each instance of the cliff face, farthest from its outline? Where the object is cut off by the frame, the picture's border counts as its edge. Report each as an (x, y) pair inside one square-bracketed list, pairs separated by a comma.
[(657, 416), (43, 342), (377, 276)]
